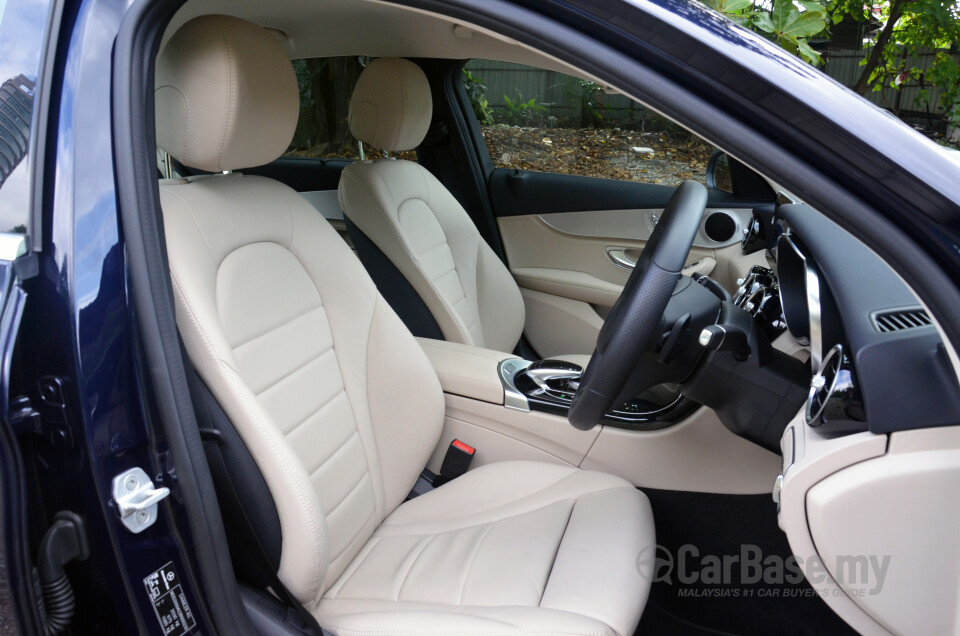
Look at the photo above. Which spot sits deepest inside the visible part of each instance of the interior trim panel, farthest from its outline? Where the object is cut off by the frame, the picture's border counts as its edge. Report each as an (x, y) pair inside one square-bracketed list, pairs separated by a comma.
[(638, 224)]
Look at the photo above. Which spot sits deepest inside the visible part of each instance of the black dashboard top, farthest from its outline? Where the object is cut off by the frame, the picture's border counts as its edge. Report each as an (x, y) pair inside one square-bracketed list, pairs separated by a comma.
[(905, 377)]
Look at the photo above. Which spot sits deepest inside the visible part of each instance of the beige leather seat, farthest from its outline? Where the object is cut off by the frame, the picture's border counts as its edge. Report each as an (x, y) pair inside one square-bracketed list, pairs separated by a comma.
[(417, 224), (340, 407)]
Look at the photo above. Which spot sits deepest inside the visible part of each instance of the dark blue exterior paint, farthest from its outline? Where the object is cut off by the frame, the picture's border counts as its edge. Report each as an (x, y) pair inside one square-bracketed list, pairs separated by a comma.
[(85, 332)]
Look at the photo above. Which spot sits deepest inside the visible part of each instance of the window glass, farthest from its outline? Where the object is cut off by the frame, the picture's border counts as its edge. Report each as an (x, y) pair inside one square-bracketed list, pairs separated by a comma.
[(534, 119), (22, 24), (326, 84)]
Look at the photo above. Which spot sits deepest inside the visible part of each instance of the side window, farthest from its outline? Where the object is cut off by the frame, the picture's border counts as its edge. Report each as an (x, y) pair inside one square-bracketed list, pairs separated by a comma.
[(323, 132), (326, 84), (535, 119)]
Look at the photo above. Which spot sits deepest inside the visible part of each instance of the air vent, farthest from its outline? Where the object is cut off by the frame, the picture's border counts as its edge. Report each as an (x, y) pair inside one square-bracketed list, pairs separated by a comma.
[(823, 384), (900, 320)]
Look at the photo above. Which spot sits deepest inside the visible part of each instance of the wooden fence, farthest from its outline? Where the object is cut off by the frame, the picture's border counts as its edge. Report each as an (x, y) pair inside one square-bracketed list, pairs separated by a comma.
[(561, 94)]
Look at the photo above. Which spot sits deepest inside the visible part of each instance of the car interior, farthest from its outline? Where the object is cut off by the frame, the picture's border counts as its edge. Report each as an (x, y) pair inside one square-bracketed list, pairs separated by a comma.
[(448, 395)]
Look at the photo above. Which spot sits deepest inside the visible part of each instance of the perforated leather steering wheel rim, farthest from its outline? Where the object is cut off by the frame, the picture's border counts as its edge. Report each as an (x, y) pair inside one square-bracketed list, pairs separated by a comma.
[(634, 322)]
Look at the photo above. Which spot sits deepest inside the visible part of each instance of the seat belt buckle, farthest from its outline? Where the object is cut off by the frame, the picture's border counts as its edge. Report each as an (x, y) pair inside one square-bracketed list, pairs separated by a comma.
[(455, 462)]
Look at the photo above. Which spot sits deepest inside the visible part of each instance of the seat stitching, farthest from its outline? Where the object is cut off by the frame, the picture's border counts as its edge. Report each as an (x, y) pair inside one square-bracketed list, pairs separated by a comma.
[(344, 548), (396, 137), (494, 507), (376, 444), (354, 567), (271, 329), (186, 126), (422, 545), (230, 105), (336, 451), (292, 372), (403, 582), (313, 414), (193, 217), (553, 562), (350, 492), (453, 270), (434, 247), (466, 572)]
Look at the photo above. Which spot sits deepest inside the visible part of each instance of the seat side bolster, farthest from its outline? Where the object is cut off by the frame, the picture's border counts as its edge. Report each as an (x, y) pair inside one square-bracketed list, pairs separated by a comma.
[(502, 311), (406, 403)]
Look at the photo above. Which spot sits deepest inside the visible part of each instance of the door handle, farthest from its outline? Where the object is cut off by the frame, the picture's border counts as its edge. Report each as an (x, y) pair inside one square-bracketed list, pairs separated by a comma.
[(619, 257)]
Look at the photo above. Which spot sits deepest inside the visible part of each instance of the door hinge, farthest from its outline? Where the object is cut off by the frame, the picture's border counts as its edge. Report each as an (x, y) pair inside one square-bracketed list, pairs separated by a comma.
[(43, 411), (137, 499)]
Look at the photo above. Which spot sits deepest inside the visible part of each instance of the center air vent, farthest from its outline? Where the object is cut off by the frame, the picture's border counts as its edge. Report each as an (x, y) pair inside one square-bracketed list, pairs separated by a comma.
[(900, 319)]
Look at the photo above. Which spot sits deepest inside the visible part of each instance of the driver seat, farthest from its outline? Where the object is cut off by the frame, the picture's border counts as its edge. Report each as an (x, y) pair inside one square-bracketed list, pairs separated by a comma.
[(338, 405), (400, 216)]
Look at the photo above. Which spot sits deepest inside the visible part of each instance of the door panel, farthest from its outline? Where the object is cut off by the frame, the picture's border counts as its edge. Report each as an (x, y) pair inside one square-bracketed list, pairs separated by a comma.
[(570, 281)]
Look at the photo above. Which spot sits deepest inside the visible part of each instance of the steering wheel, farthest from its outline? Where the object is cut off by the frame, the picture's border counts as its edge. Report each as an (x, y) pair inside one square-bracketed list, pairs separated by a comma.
[(635, 322)]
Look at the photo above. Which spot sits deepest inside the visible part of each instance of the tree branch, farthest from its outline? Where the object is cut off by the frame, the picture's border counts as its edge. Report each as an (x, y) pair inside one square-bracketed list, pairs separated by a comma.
[(896, 11)]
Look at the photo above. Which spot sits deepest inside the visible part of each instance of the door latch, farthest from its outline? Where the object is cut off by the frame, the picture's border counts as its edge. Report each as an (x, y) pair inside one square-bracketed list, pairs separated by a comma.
[(137, 499)]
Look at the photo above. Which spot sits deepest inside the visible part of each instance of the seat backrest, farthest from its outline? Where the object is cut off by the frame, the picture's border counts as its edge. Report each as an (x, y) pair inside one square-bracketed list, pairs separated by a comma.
[(415, 221), (333, 397)]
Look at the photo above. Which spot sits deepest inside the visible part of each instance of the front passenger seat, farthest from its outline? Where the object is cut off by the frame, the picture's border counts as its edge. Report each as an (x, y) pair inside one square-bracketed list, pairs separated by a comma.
[(338, 404)]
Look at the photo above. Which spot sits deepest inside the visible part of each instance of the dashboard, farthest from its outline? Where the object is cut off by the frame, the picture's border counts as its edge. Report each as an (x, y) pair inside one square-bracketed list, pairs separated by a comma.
[(877, 361), (870, 459)]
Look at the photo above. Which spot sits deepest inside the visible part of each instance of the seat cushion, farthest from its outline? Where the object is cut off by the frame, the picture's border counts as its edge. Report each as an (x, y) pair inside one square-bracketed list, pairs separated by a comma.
[(512, 547)]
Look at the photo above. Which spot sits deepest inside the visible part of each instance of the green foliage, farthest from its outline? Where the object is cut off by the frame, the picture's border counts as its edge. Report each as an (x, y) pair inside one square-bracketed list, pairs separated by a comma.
[(477, 93), (588, 94), (912, 28), (908, 28), (523, 113), (787, 22), (945, 74)]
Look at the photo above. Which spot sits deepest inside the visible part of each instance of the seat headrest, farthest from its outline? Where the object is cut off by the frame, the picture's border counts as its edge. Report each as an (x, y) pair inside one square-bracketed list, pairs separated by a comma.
[(226, 95), (391, 107)]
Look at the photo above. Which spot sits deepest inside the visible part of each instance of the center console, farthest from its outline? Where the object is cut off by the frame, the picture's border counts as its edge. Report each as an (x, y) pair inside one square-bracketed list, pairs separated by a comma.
[(549, 386), (495, 405)]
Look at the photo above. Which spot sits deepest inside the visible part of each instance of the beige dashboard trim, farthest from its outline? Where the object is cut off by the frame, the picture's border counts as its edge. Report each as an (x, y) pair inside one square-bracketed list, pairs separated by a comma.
[(814, 459), (699, 454)]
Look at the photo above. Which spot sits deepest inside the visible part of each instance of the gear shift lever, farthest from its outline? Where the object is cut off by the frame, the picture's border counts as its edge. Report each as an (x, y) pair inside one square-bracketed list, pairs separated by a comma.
[(543, 371)]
